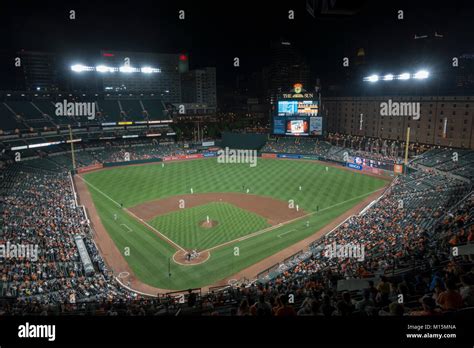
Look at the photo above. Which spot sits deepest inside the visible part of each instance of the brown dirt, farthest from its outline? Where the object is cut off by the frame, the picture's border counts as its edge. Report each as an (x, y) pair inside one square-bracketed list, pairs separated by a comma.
[(114, 259), (180, 258), (210, 224), (117, 263), (252, 271), (273, 210)]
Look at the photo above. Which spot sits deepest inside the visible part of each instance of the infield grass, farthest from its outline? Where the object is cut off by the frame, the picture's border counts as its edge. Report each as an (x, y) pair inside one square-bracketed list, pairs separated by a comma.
[(184, 227), (330, 192)]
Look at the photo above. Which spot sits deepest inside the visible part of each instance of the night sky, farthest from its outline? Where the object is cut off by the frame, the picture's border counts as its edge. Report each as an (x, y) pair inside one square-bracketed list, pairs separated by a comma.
[(216, 31)]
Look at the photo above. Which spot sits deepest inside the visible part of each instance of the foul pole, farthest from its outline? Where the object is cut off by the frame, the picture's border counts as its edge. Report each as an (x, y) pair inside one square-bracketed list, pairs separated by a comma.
[(72, 149), (406, 149)]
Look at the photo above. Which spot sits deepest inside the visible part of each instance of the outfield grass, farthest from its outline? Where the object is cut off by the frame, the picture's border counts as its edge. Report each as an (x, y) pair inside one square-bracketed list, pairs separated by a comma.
[(183, 226), (333, 192)]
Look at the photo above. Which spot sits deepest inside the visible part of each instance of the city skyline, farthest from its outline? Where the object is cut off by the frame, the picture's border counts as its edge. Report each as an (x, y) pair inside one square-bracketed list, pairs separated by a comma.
[(429, 34)]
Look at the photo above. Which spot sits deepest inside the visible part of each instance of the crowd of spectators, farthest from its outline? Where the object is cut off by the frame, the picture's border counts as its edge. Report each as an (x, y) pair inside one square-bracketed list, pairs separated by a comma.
[(408, 235), (330, 149), (39, 210)]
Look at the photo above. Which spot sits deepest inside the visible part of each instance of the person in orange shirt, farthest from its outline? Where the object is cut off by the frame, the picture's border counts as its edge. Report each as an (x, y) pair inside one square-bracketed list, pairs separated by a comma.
[(454, 240), (450, 299), (285, 310), (429, 307)]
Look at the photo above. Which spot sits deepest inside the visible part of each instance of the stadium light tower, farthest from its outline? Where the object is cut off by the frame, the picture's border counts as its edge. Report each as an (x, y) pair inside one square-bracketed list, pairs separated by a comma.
[(78, 68), (419, 75), (372, 78), (126, 69), (103, 69), (404, 76), (422, 74)]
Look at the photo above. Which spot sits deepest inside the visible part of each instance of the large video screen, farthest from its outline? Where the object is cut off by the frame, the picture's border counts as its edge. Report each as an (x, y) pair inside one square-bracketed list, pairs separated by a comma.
[(298, 125), (298, 108), (297, 118)]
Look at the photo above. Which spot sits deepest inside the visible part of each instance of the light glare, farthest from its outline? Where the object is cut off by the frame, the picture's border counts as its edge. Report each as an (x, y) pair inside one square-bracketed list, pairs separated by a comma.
[(422, 74), (404, 76)]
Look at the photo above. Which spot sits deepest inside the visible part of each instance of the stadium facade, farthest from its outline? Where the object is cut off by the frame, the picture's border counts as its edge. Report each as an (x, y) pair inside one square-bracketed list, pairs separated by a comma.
[(444, 120)]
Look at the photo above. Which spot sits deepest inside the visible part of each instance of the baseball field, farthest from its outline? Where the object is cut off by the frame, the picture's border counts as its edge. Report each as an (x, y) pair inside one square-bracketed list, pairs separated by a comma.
[(234, 215)]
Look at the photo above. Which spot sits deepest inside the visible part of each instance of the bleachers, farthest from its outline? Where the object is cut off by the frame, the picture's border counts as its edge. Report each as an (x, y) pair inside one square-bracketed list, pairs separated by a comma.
[(30, 114), (132, 109), (38, 114), (25, 109), (110, 109), (8, 120), (401, 241), (48, 108), (154, 108)]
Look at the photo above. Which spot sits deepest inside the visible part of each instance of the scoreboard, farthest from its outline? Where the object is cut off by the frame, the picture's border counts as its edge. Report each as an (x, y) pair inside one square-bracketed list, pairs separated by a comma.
[(297, 114)]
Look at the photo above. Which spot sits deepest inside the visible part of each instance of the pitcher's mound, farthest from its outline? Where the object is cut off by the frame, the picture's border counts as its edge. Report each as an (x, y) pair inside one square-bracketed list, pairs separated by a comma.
[(210, 224)]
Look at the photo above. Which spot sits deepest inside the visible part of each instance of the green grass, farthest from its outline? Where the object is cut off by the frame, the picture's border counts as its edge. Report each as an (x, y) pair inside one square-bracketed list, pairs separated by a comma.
[(333, 192), (183, 226)]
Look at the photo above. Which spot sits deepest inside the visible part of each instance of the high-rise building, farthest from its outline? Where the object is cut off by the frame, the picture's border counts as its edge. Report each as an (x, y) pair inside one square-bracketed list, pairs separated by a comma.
[(465, 72), (37, 71), (287, 67), (199, 86)]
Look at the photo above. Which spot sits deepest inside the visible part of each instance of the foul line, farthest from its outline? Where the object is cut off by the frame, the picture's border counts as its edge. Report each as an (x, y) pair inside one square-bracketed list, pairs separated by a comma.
[(95, 188), (155, 230), (134, 216), (268, 229), (282, 234)]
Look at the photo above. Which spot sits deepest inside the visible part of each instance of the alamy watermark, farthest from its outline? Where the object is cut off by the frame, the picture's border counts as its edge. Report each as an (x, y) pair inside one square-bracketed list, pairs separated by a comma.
[(11, 251), (391, 108), (85, 109), (237, 156), (37, 331), (345, 251)]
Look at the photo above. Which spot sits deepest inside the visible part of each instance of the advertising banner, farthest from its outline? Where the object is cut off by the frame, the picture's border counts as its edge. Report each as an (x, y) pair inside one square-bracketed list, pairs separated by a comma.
[(354, 166), (398, 168), (182, 157), (269, 155), (289, 156), (310, 157), (210, 154)]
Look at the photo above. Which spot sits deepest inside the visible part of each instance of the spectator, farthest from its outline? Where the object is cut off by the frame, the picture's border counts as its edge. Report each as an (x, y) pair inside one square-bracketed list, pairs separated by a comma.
[(244, 309), (285, 310), (450, 299)]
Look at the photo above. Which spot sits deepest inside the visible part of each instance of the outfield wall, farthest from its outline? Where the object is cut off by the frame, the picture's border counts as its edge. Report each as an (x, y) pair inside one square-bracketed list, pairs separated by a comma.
[(124, 163)]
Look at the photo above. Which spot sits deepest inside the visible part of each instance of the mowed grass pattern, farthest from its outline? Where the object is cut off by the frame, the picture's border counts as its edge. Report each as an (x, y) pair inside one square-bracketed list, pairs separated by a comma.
[(333, 192), (183, 226)]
